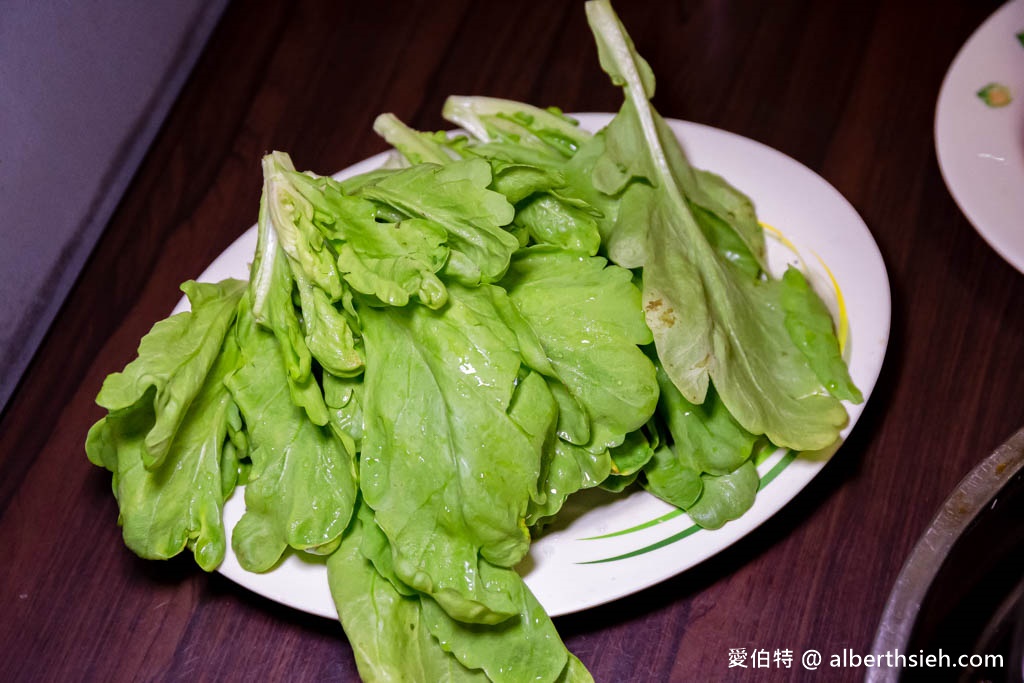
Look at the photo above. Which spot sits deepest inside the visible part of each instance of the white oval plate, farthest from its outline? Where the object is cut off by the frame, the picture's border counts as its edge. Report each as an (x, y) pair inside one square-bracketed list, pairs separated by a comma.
[(980, 149), (606, 546)]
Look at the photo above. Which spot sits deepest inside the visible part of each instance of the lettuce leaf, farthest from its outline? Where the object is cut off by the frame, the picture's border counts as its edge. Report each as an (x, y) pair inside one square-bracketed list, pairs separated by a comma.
[(415, 146), (491, 119), (451, 456), (399, 634), (301, 489), (389, 638), (710, 436), (809, 325), (173, 362), (293, 255), (178, 501), (708, 468), (525, 647), (710, 320), (587, 318), (725, 497), (456, 197), (535, 154), (378, 253), (568, 468)]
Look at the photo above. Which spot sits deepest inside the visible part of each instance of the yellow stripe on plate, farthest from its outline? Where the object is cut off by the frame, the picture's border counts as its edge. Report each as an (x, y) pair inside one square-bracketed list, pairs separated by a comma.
[(843, 323)]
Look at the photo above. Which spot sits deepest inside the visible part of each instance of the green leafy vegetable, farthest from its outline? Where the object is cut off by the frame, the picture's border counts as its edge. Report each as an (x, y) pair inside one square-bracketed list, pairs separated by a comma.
[(809, 325), (302, 486), (490, 119), (416, 147), (177, 502), (725, 497), (271, 290), (568, 468), (587, 318), (710, 436), (174, 360), (378, 252), (450, 481), (456, 197), (288, 218), (384, 626), (430, 358), (398, 634), (711, 321)]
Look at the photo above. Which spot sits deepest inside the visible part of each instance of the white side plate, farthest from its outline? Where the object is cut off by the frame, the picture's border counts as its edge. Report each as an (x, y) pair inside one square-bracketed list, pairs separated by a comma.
[(980, 148)]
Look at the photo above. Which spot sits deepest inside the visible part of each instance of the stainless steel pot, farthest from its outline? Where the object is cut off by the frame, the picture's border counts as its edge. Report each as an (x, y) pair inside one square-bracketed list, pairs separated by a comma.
[(960, 591)]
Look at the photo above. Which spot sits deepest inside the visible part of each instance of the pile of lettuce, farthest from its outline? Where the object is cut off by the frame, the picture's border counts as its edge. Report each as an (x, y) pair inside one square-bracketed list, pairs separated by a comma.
[(429, 358)]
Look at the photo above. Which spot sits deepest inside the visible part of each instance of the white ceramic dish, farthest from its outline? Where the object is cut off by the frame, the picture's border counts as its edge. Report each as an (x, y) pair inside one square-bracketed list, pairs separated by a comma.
[(980, 148), (604, 547)]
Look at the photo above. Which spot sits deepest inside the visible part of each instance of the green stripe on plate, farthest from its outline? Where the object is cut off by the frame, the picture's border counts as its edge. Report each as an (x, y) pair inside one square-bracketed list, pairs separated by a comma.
[(769, 476)]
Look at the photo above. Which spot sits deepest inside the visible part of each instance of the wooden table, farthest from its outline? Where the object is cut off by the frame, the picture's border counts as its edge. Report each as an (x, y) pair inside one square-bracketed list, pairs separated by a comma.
[(848, 90)]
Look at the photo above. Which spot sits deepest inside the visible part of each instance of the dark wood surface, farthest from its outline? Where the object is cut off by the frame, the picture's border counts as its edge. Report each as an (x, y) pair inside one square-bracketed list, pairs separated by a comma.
[(847, 89)]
